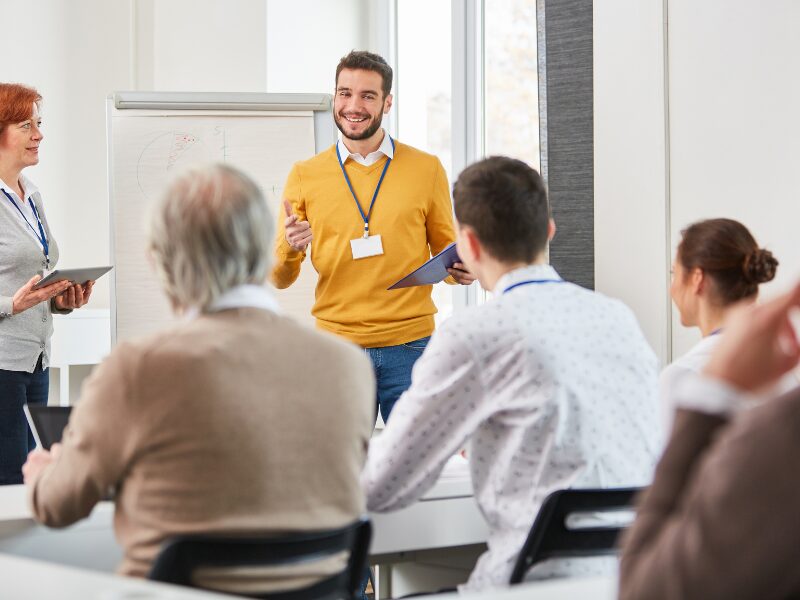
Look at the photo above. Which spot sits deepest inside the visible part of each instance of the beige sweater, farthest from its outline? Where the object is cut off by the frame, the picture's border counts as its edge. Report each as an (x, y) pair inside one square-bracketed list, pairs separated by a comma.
[(236, 421)]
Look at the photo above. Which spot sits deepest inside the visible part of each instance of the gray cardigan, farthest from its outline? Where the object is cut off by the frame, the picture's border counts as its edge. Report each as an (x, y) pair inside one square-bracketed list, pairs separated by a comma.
[(24, 336)]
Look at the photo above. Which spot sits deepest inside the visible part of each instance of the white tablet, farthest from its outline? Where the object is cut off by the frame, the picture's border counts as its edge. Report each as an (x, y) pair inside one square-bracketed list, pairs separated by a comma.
[(73, 275)]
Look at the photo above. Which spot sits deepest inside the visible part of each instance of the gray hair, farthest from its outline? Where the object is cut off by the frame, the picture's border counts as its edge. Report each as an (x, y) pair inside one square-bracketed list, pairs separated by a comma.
[(210, 231)]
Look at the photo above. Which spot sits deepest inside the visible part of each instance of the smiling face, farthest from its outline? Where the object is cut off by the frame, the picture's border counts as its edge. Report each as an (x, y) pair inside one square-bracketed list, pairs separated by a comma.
[(359, 104), (19, 142)]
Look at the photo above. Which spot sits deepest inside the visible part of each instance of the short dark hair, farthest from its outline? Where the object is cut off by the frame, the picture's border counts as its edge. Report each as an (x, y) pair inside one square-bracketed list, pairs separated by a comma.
[(728, 253), (505, 202), (361, 59)]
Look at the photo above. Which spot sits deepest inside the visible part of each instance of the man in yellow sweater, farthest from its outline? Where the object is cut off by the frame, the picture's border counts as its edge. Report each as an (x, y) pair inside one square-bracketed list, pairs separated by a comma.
[(376, 209)]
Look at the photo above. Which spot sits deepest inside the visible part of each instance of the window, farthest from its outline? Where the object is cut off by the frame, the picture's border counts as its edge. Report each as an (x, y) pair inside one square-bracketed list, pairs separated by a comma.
[(423, 76), (511, 83), (499, 83), (423, 92)]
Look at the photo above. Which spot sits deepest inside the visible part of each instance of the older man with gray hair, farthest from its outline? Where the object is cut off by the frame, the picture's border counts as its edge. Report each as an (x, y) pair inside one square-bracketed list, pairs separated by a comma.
[(203, 427)]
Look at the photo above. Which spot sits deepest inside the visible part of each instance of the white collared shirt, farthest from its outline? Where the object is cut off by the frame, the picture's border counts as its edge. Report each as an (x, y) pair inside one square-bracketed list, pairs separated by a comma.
[(242, 296), (29, 190), (385, 149), (555, 386)]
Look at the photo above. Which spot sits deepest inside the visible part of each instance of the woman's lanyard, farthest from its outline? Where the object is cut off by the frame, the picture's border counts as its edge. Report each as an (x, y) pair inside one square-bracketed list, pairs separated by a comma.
[(40, 236), (531, 282), (367, 216)]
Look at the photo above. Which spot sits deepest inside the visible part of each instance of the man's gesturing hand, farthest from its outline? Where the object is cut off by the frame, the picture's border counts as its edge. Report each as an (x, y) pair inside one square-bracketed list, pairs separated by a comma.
[(298, 233)]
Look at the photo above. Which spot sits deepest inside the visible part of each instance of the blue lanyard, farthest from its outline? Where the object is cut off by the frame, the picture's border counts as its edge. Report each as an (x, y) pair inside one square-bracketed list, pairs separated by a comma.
[(41, 236), (367, 216), (531, 282)]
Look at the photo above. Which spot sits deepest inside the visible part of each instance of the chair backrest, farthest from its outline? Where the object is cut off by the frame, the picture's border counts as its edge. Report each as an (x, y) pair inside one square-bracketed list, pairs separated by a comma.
[(180, 556), (557, 533)]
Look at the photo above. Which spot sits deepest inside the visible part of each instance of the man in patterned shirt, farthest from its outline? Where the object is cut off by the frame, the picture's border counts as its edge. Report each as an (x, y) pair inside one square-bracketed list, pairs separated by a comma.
[(553, 385)]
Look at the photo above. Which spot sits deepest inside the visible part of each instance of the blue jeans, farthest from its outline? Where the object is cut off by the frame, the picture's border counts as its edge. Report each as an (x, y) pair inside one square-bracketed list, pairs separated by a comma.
[(392, 366), (16, 440)]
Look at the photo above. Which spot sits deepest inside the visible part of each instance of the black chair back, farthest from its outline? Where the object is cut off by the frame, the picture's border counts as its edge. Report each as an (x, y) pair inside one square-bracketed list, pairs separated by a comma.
[(552, 536), (182, 555)]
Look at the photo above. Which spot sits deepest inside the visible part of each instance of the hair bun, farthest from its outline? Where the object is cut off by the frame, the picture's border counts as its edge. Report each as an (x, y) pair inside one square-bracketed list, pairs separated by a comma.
[(760, 266)]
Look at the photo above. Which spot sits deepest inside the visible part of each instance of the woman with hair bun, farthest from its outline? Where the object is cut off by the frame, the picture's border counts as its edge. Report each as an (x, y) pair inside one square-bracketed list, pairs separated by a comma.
[(717, 265)]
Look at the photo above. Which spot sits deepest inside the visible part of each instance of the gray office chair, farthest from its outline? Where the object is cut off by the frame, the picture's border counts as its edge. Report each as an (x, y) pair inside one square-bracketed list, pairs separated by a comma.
[(180, 556), (551, 535)]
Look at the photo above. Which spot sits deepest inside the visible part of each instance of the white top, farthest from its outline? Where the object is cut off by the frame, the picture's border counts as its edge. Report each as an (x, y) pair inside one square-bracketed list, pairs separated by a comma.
[(385, 149), (691, 362), (554, 385), (675, 394), (29, 190)]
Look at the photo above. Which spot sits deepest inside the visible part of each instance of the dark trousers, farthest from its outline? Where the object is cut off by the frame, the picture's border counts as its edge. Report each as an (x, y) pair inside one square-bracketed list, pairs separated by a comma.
[(16, 440)]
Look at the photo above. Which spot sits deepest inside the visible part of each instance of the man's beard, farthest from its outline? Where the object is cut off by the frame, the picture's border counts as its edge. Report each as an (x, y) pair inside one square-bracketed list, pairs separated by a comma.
[(367, 133)]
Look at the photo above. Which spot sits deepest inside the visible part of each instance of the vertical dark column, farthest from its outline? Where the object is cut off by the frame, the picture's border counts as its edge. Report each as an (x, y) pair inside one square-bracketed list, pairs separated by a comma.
[(567, 140)]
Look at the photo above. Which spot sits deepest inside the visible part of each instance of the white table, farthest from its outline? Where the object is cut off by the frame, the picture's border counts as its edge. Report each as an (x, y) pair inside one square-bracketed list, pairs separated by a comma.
[(24, 578), (27, 579), (89, 544), (586, 588), (446, 518)]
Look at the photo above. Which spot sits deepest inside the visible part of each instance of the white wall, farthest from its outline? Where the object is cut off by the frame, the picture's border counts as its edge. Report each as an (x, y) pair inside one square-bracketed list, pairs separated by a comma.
[(630, 161), (201, 45), (732, 150), (734, 97), (308, 37)]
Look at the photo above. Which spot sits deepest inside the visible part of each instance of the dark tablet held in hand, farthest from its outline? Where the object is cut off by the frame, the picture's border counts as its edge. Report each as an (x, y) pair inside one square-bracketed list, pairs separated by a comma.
[(47, 423)]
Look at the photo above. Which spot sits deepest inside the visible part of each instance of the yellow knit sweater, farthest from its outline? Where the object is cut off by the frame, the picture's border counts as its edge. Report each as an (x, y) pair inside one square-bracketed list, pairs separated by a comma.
[(412, 214)]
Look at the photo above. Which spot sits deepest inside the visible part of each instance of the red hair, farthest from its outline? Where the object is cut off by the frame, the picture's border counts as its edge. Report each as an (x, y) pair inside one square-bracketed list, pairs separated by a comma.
[(15, 103)]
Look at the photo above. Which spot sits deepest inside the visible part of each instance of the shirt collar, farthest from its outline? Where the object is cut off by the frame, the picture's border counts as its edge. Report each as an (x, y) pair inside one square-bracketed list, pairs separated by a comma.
[(28, 187), (246, 296), (371, 158), (527, 273)]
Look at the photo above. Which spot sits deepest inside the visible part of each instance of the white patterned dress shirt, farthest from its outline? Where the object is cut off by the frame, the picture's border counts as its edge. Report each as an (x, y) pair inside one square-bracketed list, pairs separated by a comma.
[(553, 385)]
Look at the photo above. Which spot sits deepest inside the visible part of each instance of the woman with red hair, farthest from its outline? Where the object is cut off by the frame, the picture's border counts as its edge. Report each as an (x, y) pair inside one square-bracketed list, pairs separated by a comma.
[(27, 248)]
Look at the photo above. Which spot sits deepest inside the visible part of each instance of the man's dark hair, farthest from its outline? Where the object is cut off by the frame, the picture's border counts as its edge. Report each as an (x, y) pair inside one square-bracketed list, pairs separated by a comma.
[(361, 59), (505, 202)]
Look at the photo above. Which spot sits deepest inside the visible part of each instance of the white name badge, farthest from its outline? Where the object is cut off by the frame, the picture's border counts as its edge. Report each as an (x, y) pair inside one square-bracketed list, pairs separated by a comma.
[(364, 247)]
